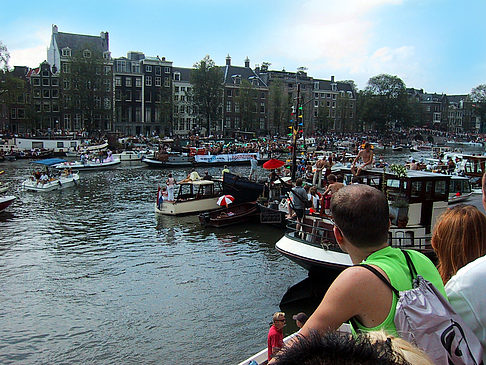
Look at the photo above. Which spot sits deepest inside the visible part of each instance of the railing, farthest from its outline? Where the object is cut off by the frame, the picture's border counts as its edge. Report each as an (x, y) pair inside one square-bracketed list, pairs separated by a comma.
[(319, 233)]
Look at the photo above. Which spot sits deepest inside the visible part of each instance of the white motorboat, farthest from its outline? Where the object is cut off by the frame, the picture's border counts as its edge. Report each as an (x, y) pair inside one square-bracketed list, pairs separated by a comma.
[(169, 159), (193, 197), (128, 156), (89, 165), (49, 180), (315, 247), (459, 189)]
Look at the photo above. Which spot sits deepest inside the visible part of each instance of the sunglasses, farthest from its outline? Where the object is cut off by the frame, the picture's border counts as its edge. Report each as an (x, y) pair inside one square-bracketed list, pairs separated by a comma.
[(281, 320)]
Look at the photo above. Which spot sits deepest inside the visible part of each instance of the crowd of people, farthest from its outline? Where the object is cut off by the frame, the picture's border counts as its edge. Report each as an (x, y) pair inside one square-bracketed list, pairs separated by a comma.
[(361, 223)]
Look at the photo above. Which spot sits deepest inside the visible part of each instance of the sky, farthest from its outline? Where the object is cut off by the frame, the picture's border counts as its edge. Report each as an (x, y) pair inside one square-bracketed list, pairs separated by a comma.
[(435, 45)]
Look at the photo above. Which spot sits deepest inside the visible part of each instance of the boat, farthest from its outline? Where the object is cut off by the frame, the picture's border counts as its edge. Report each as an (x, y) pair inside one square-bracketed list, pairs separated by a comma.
[(229, 159), (89, 165), (243, 189), (459, 189), (128, 156), (192, 197), (169, 159), (427, 194), (397, 148), (55, 180), (5, 202), (233, 214)]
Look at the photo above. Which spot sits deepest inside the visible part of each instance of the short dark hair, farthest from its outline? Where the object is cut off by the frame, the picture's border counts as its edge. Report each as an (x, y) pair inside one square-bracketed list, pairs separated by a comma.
[(361, 213), (333, 348), (332, 177), (298, 182)]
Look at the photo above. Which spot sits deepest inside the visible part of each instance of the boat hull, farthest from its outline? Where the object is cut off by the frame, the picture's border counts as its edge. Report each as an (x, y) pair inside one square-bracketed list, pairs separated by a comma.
[(225, 217), (190, 206), (5, 202), (56, 184), (167, 164)]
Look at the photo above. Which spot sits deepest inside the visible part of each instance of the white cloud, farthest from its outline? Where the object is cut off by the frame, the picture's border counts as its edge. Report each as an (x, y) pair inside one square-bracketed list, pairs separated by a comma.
[(336, 38), (31, 57), (29, 48)]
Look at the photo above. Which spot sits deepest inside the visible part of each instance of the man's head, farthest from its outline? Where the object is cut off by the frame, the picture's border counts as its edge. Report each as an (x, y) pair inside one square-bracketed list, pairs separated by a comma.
[(361, 214), (367, 146), (279, 320), (298, 182), (300, 319)]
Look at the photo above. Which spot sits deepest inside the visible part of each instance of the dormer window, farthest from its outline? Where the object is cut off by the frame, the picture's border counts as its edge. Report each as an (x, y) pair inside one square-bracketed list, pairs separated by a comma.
[(316, 85), (236, 79), (107, 55), (87, 53), (334, 87), (66, 52)]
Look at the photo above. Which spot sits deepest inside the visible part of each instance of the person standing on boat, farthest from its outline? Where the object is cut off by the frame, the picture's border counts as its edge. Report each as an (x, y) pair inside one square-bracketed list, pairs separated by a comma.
[(275, 334), (361, 224), (253, 167), (299, 197), (366, 156), (170, 188), (317, 180)]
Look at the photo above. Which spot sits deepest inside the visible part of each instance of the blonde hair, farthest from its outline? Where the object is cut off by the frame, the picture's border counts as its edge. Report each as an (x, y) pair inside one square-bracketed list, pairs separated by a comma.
[(277, 315), (409, 352)]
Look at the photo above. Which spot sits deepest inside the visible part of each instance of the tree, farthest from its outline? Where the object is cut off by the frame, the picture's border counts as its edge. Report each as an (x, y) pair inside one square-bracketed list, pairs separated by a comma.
[(279, 107), (478, 99), (247, 104), (88, 88), (343, 113), (4, 57), (323, 118), (207, 90), (385, 101)]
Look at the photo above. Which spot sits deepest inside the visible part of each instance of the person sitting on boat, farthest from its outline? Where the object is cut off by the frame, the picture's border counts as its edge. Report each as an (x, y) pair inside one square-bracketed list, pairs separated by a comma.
[(332, 188), (366, 156), (361, 224), (225, 170), (207, 176), (44, 178), (275, 334)]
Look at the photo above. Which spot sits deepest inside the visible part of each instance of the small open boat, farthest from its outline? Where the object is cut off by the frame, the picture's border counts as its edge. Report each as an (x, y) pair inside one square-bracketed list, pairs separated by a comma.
[(5, 201), (234, 214), (53, 180), (87, 165)]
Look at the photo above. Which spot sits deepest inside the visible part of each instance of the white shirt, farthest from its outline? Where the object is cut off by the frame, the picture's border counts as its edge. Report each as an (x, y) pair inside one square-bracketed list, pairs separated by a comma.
[(467, 294)]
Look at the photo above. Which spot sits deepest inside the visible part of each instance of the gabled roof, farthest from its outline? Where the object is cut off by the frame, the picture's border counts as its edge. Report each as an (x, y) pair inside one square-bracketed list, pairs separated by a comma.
[(79, 42), (184, 72), (245, 73)]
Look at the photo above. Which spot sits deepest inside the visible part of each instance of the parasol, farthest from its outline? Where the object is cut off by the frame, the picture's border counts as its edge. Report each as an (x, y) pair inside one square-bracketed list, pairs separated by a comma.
[(273, 164), (225, 200)]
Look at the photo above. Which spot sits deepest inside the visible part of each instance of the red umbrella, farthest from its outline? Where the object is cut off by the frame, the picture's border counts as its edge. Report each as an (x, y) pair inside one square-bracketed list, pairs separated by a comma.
[(273, 164), (225, 200)]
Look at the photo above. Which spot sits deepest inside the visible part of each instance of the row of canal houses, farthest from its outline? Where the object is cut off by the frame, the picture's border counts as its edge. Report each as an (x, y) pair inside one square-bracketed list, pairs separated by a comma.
[(138, 94)]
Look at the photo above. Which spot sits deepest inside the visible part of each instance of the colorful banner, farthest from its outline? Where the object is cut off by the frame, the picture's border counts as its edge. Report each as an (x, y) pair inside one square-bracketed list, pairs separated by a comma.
[(225, 158)]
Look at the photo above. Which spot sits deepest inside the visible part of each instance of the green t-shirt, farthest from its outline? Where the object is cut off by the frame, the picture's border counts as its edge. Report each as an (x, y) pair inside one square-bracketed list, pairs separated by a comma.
[(392, 261)]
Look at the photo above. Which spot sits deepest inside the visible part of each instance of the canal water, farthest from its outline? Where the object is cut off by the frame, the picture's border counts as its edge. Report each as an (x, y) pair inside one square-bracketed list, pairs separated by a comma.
[(90, 275)]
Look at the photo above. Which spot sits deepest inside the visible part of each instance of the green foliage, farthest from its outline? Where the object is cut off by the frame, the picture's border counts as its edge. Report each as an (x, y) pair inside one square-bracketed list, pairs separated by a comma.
[(4, 57), (207, 81), (399, 170), (248, 104), (279, 107)]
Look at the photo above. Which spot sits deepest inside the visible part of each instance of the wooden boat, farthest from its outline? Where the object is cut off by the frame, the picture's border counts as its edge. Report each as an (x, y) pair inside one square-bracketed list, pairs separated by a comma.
[(5, 202), (234, 214), (193, 197), (56, 180), (316, 249)]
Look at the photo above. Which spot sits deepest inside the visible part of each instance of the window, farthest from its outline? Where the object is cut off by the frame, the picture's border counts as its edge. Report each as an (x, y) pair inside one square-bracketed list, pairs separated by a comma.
[(118, 81), (157, 70), (316, 95), (107, 70), (55, 82), (55, 107), (333, 104), (177, 77), (167, 70), (262, 107), (157, 81), (45, 82), (135, 67), (128, 95), (316, 103), (13, 113), (176, 97), (37, 106), (148, 81), (37, 93), (148, 68), (117, 95), (46, 106), (176, 89), (66, 52), (67, 119), (148, 97), (183, 89), (55, 93), (148, 114), (138, 82), (36, 81), (87, 53), (328, 96), (66, 85), (46, 93), (128, 81), (334, 87), (228, 106), (66, 68), (138, 95), (333, 96), (167, 82)]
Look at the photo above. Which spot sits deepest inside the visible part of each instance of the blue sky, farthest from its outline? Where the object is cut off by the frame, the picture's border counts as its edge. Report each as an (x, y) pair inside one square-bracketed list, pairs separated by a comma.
[(437, 45)]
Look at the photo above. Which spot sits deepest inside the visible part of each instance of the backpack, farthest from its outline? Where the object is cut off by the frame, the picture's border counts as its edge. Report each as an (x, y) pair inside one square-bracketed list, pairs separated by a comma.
[(425, 318)]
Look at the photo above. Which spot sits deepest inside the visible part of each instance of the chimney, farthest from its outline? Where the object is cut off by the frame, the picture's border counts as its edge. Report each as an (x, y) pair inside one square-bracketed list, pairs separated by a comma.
[(54, 29), (104, 35), (228, 60), (247, 62), (332, 78)]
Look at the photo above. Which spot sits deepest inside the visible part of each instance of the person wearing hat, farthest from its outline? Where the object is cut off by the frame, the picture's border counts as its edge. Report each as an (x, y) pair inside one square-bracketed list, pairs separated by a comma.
[(300, 319)]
